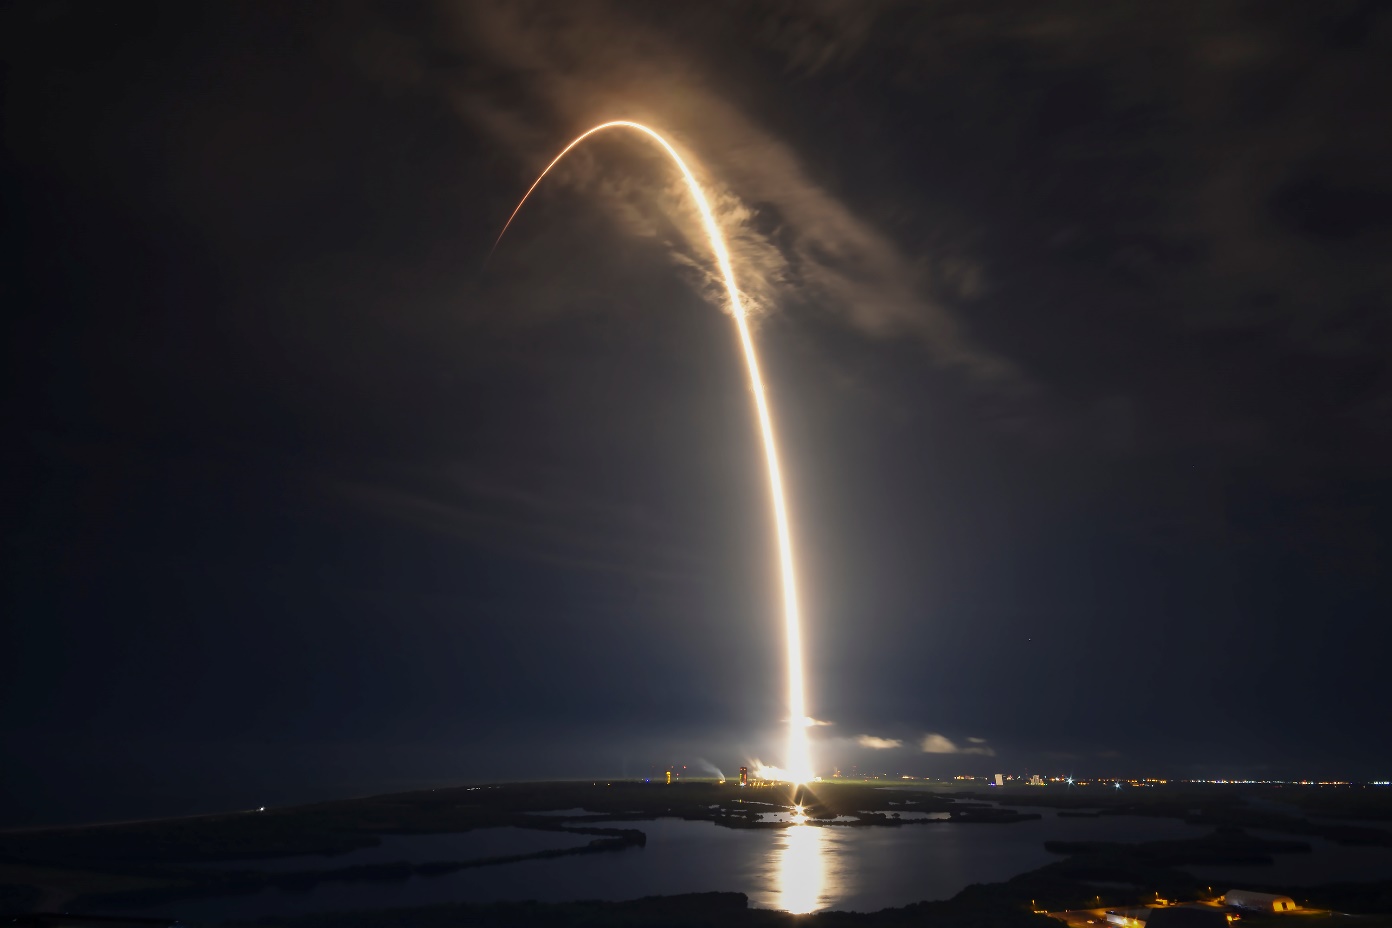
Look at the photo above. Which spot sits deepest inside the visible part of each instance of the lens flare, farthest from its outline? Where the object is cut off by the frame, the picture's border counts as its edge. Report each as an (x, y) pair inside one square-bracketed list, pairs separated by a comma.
[(798, 765)]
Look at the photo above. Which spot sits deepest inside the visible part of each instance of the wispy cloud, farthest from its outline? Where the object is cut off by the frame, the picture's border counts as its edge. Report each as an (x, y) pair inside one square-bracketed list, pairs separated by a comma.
[(877, 743), (934, 743), (540, 73), (815, 34)]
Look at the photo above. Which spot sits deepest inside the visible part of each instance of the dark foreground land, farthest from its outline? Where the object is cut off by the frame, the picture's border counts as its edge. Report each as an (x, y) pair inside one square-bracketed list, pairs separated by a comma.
[(110, 867)]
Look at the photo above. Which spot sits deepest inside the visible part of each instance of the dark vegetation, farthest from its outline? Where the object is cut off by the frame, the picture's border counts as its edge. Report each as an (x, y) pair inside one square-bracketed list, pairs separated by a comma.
[(105, 868), (698, 910), (1335, 814), (1067, 884), (1224, 846)]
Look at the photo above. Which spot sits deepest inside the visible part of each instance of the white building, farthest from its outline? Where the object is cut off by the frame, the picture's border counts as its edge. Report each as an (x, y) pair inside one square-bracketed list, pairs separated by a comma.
[(1128, 918), (1261, 902)]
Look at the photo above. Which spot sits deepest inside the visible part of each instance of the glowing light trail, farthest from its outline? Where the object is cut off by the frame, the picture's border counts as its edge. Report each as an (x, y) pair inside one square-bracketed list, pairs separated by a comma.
[(798, 764)]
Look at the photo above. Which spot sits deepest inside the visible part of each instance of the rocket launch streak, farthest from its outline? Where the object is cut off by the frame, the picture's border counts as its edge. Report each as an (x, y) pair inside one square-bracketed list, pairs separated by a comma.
[(798, 764)]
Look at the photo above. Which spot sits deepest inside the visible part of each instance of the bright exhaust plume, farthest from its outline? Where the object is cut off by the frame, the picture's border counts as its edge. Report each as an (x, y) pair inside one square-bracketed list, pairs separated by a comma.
[(797, 765)]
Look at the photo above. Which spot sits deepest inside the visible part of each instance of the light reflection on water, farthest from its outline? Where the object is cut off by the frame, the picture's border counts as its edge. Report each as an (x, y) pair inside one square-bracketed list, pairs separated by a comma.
[(810, 869), (799, 867)]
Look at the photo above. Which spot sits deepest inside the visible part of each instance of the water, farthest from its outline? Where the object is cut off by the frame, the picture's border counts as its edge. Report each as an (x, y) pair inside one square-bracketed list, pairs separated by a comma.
[(564, 813), (799, 868), (464, 845)]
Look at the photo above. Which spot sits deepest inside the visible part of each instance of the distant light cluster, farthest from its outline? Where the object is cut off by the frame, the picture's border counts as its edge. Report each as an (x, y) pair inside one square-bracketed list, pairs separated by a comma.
[(1114, 782), (1293, 782)]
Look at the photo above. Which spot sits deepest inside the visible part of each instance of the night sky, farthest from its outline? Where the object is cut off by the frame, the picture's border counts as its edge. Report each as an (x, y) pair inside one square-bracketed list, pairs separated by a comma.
[(1074, 316)]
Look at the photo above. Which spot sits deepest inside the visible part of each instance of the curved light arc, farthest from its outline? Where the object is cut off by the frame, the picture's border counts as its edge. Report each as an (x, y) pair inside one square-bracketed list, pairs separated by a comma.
[(798, 764)]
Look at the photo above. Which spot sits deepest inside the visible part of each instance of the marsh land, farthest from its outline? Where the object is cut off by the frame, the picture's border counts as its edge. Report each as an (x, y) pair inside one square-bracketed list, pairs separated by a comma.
[(714, 853)]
